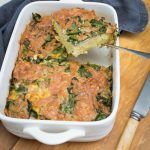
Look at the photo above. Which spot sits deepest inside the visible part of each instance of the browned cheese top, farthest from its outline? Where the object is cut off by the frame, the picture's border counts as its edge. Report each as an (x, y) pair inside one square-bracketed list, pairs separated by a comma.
[(46, 84)]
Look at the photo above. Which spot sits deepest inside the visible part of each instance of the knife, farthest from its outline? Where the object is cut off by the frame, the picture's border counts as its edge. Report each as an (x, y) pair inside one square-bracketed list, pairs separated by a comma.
[(140, 110)]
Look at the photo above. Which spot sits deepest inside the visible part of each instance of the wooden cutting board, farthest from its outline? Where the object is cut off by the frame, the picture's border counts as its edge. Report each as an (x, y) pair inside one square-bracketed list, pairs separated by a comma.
[(133, 73)]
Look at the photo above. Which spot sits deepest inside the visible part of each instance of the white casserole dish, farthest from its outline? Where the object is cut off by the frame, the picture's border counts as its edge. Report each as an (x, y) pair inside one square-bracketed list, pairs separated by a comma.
[(49, 131)]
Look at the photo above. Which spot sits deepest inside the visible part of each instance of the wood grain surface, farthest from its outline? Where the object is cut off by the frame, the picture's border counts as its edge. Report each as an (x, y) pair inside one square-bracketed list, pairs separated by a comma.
[(133, 73), (128, 134)]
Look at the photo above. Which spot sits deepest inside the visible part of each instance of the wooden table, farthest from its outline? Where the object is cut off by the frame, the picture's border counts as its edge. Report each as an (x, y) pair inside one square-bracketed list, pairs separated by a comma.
[(133, 73)]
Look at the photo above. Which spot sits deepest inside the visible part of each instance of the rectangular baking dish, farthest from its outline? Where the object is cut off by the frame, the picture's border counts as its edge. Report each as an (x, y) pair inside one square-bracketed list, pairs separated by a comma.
[(49, 131)]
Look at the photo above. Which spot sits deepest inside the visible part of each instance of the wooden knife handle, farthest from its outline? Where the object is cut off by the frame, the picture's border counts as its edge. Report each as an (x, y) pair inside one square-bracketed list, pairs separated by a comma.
[(128, 134)]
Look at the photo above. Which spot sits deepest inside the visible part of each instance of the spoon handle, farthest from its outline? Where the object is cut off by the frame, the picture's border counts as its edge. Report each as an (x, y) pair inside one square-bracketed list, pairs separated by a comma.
[(143, 54)]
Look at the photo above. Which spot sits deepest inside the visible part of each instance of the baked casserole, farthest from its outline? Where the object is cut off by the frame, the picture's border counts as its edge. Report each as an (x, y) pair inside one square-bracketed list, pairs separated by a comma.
[(47, 84)]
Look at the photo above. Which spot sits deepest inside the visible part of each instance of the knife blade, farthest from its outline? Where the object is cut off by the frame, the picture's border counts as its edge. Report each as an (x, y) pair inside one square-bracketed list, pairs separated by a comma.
[(142, 105), (140, 110)]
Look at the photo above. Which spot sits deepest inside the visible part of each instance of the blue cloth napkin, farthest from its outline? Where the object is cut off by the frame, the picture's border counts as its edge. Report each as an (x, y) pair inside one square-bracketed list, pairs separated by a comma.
[(132, 16)]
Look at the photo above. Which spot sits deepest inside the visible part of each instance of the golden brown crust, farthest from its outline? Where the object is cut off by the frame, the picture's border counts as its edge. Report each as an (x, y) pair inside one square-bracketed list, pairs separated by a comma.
[(47, 85)]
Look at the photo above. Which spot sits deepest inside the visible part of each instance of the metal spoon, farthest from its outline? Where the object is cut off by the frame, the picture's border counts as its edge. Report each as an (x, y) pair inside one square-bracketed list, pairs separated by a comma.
[(143, 54)]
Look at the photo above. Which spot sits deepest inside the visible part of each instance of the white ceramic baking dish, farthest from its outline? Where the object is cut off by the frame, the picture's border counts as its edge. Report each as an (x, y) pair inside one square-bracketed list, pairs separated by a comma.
[(49, 131)]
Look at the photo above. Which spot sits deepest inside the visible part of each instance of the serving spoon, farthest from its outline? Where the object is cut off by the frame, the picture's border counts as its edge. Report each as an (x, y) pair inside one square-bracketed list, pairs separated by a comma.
[(142, 54)]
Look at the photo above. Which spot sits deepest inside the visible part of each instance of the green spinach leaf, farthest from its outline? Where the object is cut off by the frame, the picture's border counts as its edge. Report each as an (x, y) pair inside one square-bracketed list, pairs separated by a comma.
[(105, 100), (83, 72), (99, 24), (36, 17), (21, 89), (68, 106), (26, 44), (73, 29), (94, 66), (96, 23), (47, 40), (32, 112), (8, 103), (73, 39), (59, 50), (102, 29), (100, 116)]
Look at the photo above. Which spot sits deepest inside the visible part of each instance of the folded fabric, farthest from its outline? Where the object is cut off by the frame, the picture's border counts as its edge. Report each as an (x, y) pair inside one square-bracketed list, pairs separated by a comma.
[(132, 16)]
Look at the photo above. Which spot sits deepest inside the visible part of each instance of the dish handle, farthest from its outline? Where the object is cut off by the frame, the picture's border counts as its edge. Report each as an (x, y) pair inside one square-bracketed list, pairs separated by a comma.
[(71, 1), (53, 138)]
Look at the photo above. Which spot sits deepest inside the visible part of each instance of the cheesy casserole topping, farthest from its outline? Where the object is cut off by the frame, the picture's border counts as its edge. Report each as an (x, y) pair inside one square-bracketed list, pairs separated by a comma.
[(47, 84)]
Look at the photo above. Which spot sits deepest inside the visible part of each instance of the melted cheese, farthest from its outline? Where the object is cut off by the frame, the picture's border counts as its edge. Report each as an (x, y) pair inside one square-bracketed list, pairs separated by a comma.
[(13, 95), (36, 93)]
